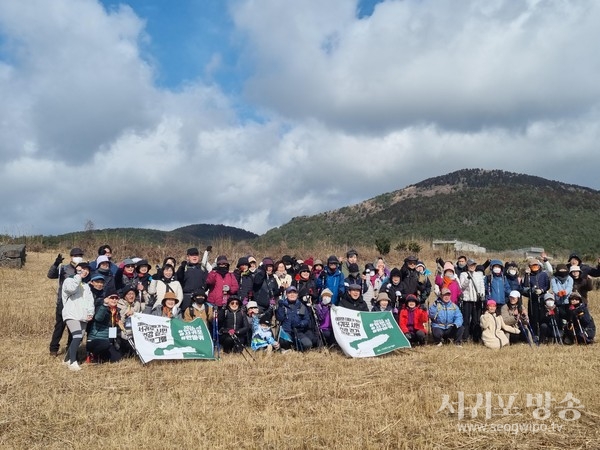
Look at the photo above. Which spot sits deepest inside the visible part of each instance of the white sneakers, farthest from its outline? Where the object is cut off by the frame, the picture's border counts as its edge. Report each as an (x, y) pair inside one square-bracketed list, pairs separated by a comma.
[(74, 366)]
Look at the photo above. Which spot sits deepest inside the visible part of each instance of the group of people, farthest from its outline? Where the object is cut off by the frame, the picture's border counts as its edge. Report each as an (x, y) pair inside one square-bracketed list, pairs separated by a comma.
[(295, 296)]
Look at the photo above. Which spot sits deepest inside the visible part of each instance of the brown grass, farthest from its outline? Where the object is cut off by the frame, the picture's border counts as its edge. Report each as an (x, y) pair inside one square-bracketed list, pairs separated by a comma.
[(294, 400)]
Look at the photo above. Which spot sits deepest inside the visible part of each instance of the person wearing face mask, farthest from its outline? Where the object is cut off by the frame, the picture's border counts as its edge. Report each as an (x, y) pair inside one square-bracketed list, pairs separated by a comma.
[(61, 272), (582, 284), (103, 268), (105, 250), (221, 283), (448, 280), (535, 284), (461, 265), (496, 285), (562, 286), (323, 311)]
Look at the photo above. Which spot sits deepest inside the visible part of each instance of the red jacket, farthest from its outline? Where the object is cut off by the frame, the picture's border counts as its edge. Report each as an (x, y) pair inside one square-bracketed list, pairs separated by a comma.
[(215, 282), (420, 317)]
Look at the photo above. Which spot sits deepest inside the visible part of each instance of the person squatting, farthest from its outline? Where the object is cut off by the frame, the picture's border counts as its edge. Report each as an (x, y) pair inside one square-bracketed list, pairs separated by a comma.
[(494, 303)]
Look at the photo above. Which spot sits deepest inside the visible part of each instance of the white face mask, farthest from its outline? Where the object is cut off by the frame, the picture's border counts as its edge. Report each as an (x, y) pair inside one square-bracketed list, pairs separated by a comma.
[(512, 272), (77, 259), (448, 274), (326, 300), (497, 270)]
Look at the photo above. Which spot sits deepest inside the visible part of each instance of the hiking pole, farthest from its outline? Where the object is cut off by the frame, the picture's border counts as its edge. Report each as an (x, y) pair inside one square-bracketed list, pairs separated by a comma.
[(555, 331), (527, 323), (317, 326), (524, 331), (584, 334), (216, 331), (238, 344)]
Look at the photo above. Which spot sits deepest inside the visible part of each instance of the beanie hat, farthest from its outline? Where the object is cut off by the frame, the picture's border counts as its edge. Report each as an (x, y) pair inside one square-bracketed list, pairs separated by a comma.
[(449, 266), (562, 268), (395, 272), (491, 302), (243, 261), (303, 268), (222, 259), (353, 268), (411, 298), (267, 262), (318, 262)]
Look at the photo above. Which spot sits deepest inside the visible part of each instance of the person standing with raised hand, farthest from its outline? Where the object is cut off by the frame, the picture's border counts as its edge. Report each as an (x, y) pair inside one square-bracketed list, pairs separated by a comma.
[(62, 272), (78, 309)]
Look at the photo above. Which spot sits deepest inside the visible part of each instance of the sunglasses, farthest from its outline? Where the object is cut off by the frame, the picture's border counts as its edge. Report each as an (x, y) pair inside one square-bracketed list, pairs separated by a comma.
[(114, 297), (234, 302)]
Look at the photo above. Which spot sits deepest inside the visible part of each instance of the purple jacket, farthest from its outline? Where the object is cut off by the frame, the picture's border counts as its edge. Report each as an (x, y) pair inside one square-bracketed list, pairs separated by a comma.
[(324, 316)]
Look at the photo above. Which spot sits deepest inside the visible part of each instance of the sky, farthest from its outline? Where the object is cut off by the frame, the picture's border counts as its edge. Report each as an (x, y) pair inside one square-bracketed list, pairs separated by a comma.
[(160, 114)]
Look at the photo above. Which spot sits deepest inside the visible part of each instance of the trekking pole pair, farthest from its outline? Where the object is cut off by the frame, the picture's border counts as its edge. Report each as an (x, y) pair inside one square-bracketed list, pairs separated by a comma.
[(241, 347)]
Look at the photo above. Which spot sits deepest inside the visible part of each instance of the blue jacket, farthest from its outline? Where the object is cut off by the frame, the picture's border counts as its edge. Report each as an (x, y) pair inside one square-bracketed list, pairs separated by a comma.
[(292, 316), (334, 282), (443, 315), (497, 288)]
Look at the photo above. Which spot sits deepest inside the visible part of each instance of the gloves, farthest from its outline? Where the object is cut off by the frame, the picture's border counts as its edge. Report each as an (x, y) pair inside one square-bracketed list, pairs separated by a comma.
[(518, 331), (272, 302), (58, 260), (395, 311), (562, 293), (245, 301), (231, 332), (538, 291), (436, 290), (183, 263), (398, 294), (209, 248)]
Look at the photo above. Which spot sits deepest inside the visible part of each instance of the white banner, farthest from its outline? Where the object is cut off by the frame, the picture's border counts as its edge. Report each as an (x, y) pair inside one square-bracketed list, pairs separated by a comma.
[(163, 338), (364, 334)]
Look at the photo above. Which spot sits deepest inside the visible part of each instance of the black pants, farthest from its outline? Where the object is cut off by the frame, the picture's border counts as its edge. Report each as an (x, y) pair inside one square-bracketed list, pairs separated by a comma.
[(451, 333), (416, 337), (228, 344), (471, 314), (304, 340), (103, 349), (59, 328)]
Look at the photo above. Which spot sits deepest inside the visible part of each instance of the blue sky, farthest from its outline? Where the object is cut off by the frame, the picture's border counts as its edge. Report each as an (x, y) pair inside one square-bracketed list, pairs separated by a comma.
[(251, 112)]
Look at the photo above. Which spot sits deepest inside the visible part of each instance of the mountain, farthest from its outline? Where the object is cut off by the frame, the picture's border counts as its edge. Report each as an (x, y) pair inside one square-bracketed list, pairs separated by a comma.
[(496, 209), (205, 233)]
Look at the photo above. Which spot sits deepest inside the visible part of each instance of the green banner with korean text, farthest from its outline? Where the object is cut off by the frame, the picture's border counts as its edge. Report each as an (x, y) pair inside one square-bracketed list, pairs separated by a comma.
[(163, 338), (365, 334)]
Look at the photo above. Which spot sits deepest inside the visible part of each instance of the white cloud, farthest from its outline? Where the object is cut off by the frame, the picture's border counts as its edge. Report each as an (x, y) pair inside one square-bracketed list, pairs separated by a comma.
[(352, 108)]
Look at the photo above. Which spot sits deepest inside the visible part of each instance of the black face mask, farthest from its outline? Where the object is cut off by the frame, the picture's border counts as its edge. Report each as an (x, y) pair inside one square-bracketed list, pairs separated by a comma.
[(222, 269), (104, 271)]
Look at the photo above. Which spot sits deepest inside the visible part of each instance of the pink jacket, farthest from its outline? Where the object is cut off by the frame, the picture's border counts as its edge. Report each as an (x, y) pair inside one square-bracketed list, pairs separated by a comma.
[(453, 286), (215, 283)]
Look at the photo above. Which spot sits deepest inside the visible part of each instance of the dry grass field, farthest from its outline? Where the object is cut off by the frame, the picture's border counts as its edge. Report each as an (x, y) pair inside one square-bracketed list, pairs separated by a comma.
[(312, 400)]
